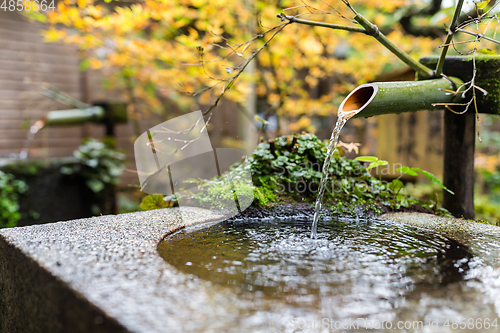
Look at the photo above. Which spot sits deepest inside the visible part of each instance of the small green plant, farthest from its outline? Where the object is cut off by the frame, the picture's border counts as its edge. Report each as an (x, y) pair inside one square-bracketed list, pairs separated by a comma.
[(430, 176), (10, 189), (292, 165), (98, 164), (155, 201), (289, 169), (373, 160)]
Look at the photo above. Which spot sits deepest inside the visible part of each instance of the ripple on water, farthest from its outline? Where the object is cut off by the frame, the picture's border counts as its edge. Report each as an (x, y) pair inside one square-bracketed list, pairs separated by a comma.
[(352, 270)]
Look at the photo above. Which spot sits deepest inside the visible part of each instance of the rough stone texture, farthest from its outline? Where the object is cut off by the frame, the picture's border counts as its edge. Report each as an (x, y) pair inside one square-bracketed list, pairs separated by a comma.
[(78, 276), (104, 274), (33, 300)]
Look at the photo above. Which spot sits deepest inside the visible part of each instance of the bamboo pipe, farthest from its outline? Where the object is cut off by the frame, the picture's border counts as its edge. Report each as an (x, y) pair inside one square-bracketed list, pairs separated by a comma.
[(101, 113), (379, 98), (74, 116)]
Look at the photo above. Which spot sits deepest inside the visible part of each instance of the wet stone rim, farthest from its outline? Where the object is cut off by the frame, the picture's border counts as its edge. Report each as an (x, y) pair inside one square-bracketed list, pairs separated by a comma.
[(112, 263)]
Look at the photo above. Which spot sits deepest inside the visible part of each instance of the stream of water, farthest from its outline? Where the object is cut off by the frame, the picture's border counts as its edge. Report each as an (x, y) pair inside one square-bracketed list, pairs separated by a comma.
[(341, 120), (37, 126)]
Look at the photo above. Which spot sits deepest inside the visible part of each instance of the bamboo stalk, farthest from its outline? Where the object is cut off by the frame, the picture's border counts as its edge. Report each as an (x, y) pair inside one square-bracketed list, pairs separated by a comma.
[(380, 98), (454, 21), (74, 116), (370, 29), (324, 24), (100, 113)]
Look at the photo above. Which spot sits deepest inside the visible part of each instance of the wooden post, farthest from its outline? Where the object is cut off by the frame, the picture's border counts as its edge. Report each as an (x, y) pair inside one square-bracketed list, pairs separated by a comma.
[(458, 173), (459, 130)]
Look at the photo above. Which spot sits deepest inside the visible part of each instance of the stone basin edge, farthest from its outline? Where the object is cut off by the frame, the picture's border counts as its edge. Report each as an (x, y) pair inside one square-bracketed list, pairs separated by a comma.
[(104, 274)]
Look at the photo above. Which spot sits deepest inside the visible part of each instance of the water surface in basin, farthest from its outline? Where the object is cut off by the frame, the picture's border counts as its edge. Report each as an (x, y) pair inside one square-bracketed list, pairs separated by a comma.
[(369, 269)]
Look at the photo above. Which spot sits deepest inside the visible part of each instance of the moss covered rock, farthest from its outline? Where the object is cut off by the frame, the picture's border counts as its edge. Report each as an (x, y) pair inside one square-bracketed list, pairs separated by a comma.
[(287, 170)]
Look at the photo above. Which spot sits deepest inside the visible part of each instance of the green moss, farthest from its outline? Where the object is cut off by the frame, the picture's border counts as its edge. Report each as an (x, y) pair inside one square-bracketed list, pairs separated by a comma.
[(154, 201), (488, 78), (265, 195), (288, 170)]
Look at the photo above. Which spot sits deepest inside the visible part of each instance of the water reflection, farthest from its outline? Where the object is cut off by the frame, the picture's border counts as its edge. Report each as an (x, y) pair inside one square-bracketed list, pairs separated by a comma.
[(351, 270)]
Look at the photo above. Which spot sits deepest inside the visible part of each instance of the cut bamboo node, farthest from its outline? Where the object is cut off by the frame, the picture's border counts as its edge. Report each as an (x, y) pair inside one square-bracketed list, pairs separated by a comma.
[(357, 100), (379, 98)]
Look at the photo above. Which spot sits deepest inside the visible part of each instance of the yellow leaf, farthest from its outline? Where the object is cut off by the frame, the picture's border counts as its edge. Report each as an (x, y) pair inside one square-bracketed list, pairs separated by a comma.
[(482, 4), (53, 35)]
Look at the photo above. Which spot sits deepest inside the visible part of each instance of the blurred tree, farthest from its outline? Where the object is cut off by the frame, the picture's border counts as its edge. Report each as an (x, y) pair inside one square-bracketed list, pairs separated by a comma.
[(159, 51)]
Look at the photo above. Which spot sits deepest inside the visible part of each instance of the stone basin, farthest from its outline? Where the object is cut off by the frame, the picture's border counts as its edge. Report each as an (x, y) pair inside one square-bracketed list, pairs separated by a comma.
[(104, 274)]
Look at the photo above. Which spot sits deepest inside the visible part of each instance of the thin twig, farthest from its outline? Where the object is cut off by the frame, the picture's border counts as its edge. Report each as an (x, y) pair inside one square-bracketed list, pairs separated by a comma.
[(454, 21), (294, 19), (229, 84), (370, 29), (479, 36), (336, 11), (471, 85), (374, 31)]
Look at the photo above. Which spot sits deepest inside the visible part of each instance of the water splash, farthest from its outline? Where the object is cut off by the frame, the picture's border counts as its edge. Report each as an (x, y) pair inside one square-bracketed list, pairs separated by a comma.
[(371, 269)]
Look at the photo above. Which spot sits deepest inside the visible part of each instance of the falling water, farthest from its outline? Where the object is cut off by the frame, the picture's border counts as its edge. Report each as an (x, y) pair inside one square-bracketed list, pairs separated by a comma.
[(38, 125), (341, 120)]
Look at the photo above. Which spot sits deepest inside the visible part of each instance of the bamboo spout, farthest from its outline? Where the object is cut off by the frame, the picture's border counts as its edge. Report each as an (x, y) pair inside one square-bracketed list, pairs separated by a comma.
[(103, 113), (74, 116), (379, 98)]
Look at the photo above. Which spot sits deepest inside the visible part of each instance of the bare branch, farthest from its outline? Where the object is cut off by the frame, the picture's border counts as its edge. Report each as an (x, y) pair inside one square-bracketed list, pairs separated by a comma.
[(231, 81), (479, 36), (370, 29), (294, 19), (454, 21)]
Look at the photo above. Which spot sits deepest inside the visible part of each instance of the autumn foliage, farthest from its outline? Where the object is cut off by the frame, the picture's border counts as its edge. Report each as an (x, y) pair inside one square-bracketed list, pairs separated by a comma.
[(155, 52)]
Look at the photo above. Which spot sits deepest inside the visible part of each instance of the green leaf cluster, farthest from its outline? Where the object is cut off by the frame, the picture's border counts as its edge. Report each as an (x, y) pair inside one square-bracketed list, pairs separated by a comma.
[(10, 188), (289, 169), (293, 164), (373, 160), (98, 164)]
